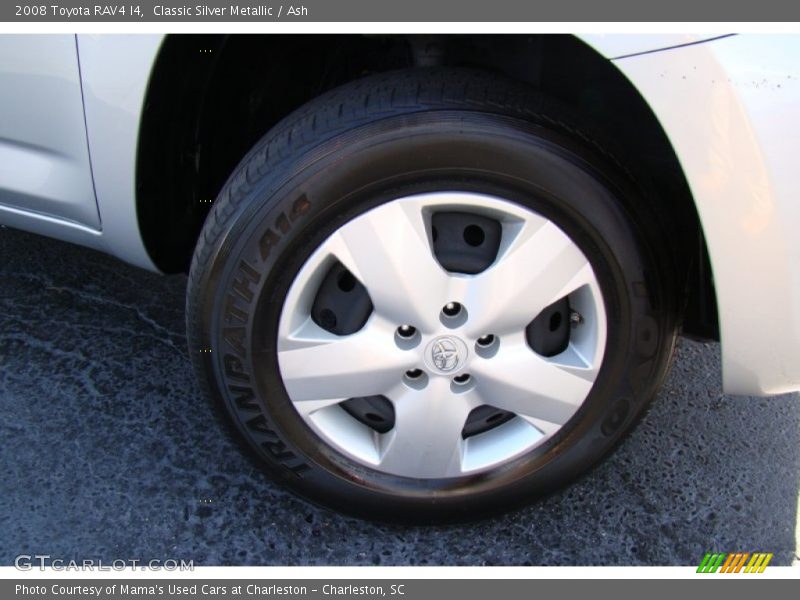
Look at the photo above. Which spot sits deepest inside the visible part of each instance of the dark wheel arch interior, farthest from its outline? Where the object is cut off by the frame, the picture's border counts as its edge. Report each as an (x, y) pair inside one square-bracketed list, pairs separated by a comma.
[(211, 97)]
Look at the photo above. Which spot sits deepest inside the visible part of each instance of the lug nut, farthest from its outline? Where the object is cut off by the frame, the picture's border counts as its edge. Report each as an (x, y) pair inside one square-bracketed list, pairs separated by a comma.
[(453, 315), (485, 340), (406, 331), (576, 318), (407, 337), (487, 345), (451, 309)]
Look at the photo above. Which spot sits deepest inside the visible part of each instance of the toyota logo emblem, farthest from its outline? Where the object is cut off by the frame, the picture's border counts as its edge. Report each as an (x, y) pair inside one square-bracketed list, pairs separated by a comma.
[(444, 354)]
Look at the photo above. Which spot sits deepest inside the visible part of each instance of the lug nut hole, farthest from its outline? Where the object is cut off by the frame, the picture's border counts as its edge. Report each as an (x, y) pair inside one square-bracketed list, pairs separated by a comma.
[(462, 379), (474, 235), (414, 373), (346, 281)]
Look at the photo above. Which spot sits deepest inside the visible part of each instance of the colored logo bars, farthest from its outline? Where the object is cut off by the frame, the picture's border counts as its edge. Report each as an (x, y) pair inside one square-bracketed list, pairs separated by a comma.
[(735, 562)]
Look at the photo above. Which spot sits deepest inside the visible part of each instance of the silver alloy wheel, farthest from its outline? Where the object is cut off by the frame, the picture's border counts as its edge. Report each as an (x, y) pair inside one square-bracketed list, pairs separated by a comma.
[(435, 379)]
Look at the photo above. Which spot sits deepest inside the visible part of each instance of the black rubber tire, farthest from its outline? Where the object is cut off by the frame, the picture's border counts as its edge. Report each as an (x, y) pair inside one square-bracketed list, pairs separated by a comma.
[(387, 136)]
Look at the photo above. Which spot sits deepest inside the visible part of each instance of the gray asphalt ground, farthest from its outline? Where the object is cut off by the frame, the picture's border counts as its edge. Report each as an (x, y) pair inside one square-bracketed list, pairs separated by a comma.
[(108, 451)]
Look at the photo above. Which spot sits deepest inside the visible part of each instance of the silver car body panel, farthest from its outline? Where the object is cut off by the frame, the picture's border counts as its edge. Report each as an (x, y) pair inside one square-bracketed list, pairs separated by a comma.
[(44, 155)]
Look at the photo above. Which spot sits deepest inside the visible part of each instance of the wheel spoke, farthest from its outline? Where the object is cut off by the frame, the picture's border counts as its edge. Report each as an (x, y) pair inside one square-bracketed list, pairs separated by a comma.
[(318, 365), (388, 250), (540, 265), (309, 407), (426, 439), (520, 381), (547, 428)]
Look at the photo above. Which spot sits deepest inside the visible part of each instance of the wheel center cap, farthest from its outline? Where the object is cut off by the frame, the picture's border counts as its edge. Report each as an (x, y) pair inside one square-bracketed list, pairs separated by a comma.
[(446, 354)]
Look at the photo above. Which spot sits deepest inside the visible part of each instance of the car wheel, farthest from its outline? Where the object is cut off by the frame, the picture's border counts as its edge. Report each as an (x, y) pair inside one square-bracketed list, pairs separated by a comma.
[(427, 296)]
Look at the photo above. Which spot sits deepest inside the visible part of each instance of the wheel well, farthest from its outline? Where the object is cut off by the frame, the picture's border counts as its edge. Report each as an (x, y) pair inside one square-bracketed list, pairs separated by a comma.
[(211, 97)]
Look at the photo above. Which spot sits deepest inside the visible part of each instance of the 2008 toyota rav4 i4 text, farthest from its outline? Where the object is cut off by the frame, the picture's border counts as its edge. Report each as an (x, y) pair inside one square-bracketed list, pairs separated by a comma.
[(430, 277)]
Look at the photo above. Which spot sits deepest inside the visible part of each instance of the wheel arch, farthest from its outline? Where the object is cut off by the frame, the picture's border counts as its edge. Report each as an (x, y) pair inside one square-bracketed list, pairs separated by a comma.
[(211, 97)]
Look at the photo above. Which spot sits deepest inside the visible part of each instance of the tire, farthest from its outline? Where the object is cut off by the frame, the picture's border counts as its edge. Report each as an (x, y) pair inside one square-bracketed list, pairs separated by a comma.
[(348, 188)]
